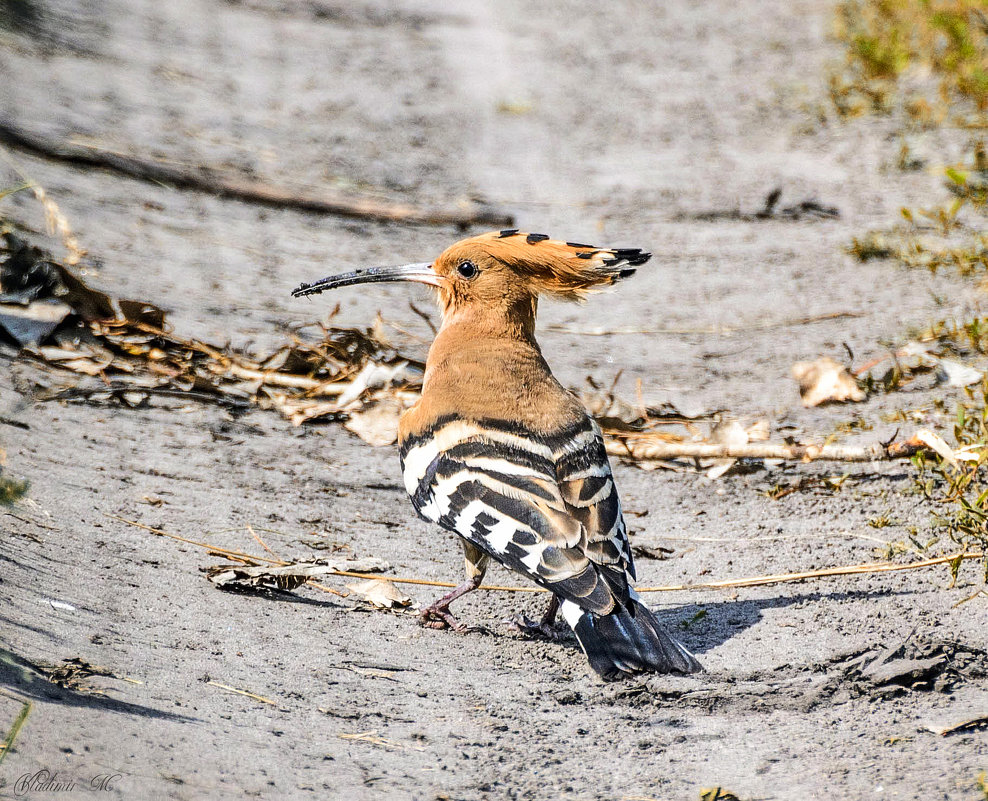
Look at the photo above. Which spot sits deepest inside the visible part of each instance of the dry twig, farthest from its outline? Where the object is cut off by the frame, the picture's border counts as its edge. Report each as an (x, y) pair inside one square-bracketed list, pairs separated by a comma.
[(645, 447), (213, 183)]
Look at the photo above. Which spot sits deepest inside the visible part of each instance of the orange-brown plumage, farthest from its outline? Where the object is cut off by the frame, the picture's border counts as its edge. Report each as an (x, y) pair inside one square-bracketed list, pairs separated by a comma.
[(535, 264), (486, 347), (499, 452)]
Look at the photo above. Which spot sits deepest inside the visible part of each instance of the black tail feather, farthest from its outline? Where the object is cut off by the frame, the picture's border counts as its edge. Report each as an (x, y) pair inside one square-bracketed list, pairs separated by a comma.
[(631, 641)]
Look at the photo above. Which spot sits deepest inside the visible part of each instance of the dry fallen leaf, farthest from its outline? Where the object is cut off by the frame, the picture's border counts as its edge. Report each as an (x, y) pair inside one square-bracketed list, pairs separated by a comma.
[(726, 432), (377, 424), (825, 381), (937, 443), (85, 366), (287, 577), (955, 374), (380, 593)]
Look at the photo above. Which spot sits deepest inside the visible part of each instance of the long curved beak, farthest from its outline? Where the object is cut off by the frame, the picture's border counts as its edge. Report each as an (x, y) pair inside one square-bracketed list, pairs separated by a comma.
[(420, 273)]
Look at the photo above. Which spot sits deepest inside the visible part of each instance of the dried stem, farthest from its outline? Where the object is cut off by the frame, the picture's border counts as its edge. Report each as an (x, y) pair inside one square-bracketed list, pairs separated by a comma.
[(646, 448), (204, 180), (764, 325), (230, 689)]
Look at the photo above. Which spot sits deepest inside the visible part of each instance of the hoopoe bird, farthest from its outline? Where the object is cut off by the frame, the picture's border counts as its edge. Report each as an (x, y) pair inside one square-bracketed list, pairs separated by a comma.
[(497, 451)]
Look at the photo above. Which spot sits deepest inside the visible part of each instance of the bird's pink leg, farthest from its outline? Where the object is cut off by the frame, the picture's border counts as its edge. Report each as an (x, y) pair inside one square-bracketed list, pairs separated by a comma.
[(438, 616)]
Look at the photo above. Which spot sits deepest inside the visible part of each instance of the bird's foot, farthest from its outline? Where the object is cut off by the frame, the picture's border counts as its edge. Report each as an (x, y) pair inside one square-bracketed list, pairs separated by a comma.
[(439, 617), (436, 617), (543, 630)]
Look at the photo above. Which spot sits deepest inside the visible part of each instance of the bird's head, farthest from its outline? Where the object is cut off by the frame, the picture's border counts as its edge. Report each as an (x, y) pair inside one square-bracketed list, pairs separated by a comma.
[(503, 273)]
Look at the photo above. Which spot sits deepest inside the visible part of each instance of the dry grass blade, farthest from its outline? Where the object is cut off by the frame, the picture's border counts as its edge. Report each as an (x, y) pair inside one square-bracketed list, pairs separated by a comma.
[(755, 581), (56, 221), (230, 689), (723, 330), (865, 569), (372, 738), (259, 541), (15, 728), (240, 556)]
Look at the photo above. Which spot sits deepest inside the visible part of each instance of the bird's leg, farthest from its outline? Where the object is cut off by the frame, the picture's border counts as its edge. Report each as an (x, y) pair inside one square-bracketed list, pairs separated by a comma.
[(546, 627), (437, 615), (549, 618)]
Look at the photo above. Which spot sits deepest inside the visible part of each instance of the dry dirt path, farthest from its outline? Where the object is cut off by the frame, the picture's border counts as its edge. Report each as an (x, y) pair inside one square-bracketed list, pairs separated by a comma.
[(616, 124)]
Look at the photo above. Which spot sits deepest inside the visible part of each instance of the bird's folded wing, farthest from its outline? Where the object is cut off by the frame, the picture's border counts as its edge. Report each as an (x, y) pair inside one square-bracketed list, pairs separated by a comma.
[(587, 486), (501, 491)]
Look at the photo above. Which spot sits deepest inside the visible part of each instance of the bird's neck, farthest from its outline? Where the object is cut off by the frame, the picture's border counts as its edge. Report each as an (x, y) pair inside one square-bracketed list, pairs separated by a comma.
[(504, 318), (485, 366), (483, 347)]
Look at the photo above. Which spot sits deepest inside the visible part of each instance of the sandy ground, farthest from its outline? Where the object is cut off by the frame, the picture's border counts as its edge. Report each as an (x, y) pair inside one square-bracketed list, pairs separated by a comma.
[(616, 124)]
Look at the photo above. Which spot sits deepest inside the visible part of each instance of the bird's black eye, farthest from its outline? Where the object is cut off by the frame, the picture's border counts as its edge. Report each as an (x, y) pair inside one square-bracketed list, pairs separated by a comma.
[(467, 269)]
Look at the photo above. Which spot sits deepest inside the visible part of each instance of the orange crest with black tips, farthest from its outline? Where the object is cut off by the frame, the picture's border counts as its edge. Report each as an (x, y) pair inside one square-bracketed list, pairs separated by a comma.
[(567, 270)]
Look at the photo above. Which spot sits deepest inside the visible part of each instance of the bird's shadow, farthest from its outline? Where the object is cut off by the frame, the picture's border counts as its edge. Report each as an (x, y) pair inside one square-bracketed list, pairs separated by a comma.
[(705, 626)]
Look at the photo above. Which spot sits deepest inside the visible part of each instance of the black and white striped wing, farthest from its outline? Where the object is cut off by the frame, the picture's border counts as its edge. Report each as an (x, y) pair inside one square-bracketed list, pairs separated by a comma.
[(501, 490), (586, 483)]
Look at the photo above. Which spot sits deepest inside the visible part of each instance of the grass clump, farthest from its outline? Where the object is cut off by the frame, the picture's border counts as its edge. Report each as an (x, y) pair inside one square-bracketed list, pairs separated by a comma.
[(964, 338), (927, 57), (947, 235), (11, 491), (958, 486), (926, 63)]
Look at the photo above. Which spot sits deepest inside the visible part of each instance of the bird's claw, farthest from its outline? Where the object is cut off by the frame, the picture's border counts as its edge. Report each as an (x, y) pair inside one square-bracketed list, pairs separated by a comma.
[(438, 618), (527, 627)]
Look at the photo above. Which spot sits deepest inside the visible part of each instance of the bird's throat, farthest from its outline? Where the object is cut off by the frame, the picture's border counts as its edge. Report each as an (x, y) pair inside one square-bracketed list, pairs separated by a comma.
[(497, 318)]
